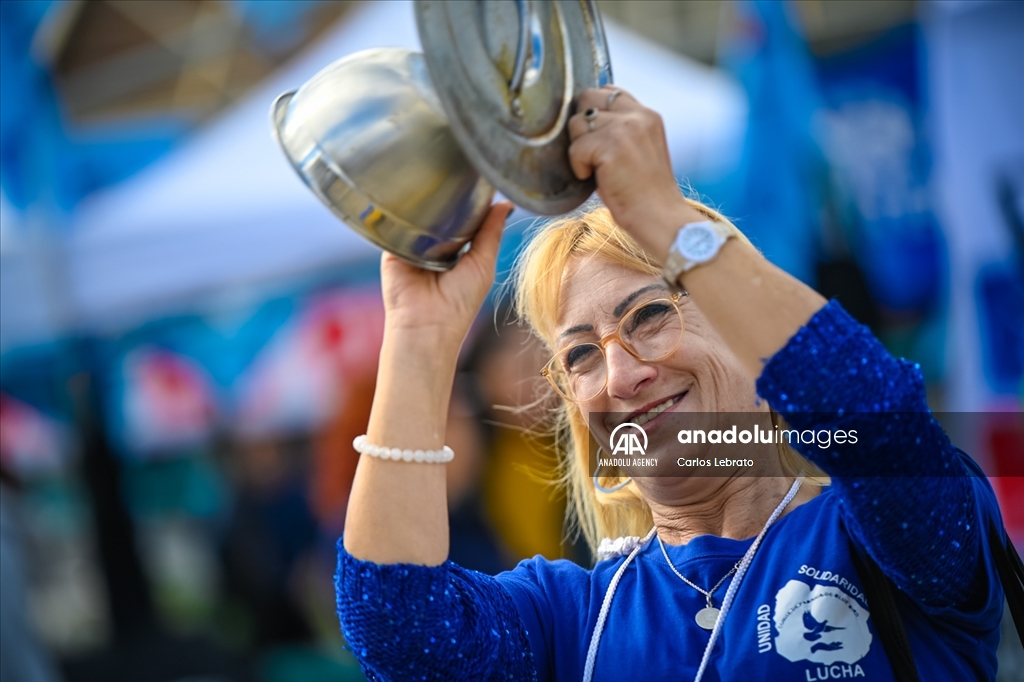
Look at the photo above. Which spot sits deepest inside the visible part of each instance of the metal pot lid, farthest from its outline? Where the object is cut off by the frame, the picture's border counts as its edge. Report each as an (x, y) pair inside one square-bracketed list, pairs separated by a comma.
[(508, 74)]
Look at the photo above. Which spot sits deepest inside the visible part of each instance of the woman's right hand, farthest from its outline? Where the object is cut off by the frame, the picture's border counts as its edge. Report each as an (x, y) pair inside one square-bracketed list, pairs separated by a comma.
[(398, 511), (424, 301)]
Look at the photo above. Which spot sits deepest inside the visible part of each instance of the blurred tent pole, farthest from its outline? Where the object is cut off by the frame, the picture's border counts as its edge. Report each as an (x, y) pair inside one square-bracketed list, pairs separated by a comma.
[(130, 599)]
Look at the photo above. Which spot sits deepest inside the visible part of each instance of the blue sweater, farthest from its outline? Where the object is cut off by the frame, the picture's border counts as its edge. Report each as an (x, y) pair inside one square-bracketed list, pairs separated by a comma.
[(800, 613)]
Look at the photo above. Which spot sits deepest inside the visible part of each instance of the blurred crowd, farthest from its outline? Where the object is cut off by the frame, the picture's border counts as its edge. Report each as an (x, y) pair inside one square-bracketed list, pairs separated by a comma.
[(211, 550)]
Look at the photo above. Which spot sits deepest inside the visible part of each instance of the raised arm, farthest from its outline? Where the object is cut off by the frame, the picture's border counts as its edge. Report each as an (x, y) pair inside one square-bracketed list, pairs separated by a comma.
[(818, 360), (398, 511), (906, 495), (755, 306), (403, 608)]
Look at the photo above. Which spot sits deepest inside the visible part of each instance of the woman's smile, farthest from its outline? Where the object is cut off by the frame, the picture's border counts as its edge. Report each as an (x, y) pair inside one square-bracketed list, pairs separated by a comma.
[(645, 416)]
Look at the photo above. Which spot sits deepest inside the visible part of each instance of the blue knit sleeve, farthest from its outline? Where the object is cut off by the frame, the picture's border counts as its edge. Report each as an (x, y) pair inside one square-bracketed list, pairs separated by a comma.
[(408, 622), (906, 495)]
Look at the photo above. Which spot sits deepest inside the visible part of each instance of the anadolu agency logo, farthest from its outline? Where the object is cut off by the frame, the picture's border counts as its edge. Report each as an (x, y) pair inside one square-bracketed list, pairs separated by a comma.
[(627, 442)]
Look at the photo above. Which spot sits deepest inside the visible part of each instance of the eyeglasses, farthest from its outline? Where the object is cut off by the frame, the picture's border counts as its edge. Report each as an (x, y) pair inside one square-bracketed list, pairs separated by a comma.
[(649, 332)]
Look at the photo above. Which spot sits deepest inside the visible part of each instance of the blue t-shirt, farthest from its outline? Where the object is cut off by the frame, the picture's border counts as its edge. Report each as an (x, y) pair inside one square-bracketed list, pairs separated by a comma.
[(800, 613)]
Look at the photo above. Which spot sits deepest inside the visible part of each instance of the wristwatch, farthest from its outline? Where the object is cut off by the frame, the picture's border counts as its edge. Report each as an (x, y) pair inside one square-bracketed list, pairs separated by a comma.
[(695, 244)]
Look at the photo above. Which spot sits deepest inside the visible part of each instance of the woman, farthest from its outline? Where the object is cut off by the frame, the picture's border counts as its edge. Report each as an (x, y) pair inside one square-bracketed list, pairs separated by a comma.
[(730, 578)]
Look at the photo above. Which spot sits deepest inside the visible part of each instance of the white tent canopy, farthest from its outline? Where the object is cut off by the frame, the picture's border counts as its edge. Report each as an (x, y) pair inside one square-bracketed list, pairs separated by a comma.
[(226, 210), (30, 297)]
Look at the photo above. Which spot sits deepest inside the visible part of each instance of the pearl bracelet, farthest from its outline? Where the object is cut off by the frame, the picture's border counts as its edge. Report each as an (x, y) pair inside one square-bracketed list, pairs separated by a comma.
[(400, 455)]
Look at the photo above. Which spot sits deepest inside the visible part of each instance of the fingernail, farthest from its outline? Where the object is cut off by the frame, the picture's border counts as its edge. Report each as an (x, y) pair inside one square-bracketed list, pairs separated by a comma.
[(510, 212)]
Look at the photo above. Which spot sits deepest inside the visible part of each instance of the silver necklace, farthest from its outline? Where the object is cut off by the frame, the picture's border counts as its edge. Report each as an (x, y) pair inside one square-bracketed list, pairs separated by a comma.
[(707, 616)]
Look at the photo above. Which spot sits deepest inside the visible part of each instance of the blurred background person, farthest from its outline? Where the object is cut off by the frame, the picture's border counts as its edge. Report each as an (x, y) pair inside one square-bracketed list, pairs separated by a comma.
[(522, 499), (270, 530)]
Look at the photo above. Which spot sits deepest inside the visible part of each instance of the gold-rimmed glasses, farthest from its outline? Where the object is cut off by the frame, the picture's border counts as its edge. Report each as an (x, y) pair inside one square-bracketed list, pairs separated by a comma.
[(649, 332)]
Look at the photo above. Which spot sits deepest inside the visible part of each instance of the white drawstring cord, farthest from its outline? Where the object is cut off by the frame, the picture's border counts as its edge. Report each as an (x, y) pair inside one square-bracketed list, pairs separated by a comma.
[(734, 586), (595, 639)]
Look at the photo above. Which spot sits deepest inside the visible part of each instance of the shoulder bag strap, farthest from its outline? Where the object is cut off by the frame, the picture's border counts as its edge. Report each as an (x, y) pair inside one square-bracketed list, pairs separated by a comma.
[(1011, 574), (1004, 555), (885, 613)]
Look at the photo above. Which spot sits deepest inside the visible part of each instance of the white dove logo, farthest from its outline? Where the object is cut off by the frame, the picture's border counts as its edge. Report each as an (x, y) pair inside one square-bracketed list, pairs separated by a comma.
[(814, 633), (822, 625)]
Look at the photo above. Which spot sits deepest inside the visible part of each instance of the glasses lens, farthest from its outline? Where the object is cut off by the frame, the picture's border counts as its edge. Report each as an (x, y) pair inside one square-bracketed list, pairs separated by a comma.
[(578, 372), (653, 330)]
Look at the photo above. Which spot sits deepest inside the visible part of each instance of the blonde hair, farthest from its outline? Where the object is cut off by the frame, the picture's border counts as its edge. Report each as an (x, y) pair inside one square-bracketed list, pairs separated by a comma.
[(537, 283)]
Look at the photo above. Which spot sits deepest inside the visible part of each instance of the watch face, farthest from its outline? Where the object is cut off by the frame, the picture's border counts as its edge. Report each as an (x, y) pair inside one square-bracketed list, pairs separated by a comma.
[(698, 242)]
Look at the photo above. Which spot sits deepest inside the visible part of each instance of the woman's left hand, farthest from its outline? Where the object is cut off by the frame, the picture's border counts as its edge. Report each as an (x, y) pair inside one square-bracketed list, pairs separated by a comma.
[(625, 149)]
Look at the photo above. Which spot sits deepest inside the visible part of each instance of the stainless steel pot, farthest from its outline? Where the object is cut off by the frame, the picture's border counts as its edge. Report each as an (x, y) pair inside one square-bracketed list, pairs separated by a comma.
[(368, 135), (397, 152)]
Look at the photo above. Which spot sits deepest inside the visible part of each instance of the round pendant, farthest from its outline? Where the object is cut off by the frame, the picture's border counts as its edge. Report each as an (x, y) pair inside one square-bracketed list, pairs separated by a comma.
[(707, 617)]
